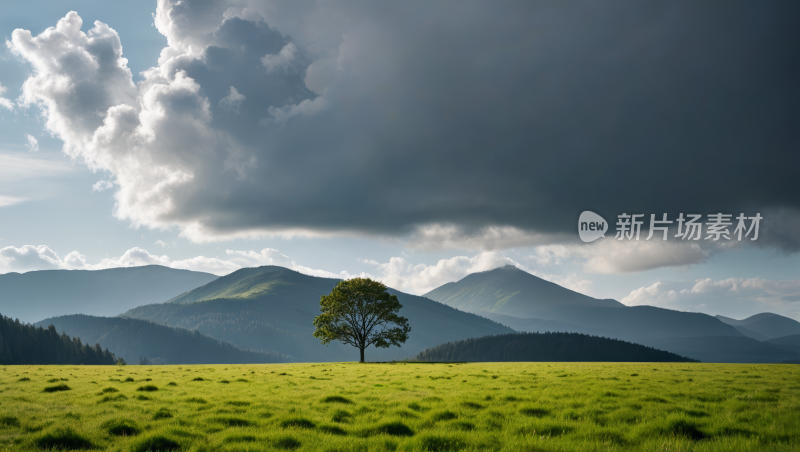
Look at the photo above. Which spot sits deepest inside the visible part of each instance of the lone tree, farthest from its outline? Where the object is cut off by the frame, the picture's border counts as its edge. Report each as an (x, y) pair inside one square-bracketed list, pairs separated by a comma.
[(359, 312)]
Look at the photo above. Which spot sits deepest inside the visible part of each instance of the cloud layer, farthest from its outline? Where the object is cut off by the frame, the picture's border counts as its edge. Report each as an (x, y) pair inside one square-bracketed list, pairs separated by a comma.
[(463, 124), (739, 297)]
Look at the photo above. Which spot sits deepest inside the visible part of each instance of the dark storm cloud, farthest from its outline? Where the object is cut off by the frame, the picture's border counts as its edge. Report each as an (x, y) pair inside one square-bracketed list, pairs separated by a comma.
[(381, 118)]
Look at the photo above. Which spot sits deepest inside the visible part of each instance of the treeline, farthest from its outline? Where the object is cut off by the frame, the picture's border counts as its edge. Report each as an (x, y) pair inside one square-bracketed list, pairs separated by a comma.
[(546, 347), (134, 340), (22, 343)]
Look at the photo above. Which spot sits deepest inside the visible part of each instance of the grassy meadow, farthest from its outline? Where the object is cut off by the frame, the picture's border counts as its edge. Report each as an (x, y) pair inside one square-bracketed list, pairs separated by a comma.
[(404, 407)]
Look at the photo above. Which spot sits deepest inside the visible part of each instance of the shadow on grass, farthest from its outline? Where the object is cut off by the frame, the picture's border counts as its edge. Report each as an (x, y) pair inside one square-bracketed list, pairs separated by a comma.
[(389, 428), (121, 427), (157, 443), (57, 388), (297, 423), (444, 416), (332, 430), (63, 439), (9, 421), (286, 443), (232, 421), (162, 413), (337, 399)]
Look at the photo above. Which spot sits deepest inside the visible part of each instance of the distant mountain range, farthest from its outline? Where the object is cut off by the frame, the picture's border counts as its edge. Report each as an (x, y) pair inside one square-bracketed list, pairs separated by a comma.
[(764, 326), (35, 295), (269, 310), (512, 296), (525, 302), (272, 309)]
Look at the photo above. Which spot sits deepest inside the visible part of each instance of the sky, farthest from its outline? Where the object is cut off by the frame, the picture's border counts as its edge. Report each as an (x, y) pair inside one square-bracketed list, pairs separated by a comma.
[(412, 142)]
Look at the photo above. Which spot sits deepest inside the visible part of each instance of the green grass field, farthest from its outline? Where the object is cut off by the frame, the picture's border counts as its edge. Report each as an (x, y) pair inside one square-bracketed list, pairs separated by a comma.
[(409, 407)]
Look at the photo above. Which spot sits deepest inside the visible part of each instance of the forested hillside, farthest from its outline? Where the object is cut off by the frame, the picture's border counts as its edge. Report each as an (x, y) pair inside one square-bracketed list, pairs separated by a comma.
[(546, 347), (22, 343), (133, 339)]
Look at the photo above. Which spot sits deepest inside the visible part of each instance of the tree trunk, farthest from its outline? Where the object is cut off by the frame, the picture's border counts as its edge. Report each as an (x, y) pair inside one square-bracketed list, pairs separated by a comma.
[(362, 355)]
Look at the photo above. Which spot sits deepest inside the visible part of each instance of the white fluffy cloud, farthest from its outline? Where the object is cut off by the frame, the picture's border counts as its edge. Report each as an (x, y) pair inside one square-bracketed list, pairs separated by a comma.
[(738, 296), (5, 103), (33, 143), (28, 258), (608, 256), (422, 278), (102, 185)]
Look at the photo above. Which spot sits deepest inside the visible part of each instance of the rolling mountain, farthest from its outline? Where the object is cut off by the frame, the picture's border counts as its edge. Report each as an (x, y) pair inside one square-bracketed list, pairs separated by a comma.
[(272, 309), (36, 295), (765, 325), (539, 305), (132, 339), (513, 292), (546, 347)]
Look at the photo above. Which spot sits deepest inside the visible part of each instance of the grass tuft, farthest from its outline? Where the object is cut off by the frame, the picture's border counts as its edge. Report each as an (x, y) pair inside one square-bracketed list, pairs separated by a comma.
[(63, 439), (297, 422), (392, 428), (286, 443), (337, 399), (9, 421), (341, 416), (115, 398), (121, 427), (332, 430), (57, 388), (685, 428), (444, 416), (147, 388), (162, 413), (232, 421), (157, 443)]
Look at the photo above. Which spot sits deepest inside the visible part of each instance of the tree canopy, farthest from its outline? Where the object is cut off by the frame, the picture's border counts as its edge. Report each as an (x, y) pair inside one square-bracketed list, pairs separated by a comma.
[(361, 312)]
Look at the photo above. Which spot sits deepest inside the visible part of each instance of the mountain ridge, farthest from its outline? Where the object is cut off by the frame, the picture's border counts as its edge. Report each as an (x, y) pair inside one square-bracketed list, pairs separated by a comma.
[(40, 294)]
